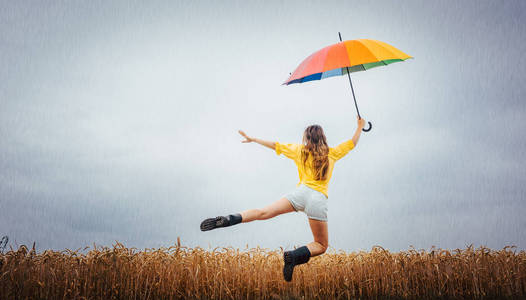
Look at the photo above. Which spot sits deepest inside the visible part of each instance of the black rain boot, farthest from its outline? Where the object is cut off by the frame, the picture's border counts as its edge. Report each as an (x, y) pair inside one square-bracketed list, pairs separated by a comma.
[(293, 258), (220, 221)]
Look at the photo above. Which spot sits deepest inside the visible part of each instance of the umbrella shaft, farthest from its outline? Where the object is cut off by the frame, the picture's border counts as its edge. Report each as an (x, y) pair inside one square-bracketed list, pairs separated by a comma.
[(352, 90), (350, 82)]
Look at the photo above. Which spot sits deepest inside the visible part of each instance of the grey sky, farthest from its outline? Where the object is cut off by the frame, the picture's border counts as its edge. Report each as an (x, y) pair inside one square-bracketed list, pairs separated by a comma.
[(119, 121)]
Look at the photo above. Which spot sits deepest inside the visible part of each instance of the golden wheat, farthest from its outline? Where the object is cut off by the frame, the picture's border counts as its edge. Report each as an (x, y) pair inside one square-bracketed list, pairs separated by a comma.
[(180, 272)]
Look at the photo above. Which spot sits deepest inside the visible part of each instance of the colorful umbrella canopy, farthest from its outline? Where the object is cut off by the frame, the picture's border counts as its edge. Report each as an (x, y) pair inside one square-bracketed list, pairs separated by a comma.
[(345, 58), (349, 56)]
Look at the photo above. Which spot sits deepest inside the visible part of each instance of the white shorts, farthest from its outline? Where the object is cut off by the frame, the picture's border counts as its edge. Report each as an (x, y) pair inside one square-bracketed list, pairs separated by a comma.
[(313, 203)]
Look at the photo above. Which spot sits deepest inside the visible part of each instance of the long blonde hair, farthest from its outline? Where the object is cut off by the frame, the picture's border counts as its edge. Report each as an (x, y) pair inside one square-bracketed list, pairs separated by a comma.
[(316, 145)]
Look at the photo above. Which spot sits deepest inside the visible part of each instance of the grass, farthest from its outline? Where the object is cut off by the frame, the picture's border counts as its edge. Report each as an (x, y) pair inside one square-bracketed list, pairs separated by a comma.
[(179, 272)]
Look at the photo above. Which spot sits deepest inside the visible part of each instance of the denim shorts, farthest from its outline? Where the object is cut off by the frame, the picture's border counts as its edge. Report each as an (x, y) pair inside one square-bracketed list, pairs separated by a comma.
[(313, 203)]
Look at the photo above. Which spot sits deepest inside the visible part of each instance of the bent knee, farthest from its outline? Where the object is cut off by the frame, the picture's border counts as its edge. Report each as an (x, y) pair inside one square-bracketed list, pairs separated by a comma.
[(323, 247)]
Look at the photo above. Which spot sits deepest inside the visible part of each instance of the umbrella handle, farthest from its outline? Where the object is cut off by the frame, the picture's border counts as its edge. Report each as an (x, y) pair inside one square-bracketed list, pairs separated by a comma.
[(368, 129)]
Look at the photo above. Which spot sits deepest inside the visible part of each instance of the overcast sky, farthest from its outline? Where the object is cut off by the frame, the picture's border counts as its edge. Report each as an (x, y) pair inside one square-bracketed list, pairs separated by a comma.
[(119, 119)]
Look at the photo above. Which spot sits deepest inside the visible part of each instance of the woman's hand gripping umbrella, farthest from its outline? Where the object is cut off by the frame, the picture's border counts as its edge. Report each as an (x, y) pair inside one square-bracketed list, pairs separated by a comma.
[(346, 57)]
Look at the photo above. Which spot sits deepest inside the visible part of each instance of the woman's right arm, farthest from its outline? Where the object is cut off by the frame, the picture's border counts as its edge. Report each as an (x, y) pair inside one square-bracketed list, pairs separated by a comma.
[(358, 132), (271, 145), (342, 149)]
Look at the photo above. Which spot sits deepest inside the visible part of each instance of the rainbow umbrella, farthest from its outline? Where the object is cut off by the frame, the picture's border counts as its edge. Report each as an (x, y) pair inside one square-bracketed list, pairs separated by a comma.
[(345, 58)]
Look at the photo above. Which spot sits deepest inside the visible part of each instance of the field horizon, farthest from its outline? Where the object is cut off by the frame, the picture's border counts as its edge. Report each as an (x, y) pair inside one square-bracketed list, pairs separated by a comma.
[(179, 272)]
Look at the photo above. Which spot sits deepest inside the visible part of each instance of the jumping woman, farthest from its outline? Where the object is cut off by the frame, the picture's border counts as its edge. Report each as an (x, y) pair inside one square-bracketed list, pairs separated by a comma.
[(315, 161)]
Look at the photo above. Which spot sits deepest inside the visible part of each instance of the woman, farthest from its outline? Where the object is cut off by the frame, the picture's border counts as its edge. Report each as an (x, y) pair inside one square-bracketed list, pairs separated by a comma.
[(315, 161)]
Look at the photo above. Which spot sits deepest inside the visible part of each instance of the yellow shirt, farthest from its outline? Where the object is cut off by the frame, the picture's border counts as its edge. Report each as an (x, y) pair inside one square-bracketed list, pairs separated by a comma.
[(293, 151)]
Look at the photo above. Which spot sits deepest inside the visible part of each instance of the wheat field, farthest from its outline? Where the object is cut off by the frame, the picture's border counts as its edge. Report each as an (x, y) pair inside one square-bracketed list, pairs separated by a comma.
[(179, 272)]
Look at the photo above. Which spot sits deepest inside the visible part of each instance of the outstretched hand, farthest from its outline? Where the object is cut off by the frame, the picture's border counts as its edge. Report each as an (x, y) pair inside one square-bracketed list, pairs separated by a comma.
[(247, 138), (361, 122)]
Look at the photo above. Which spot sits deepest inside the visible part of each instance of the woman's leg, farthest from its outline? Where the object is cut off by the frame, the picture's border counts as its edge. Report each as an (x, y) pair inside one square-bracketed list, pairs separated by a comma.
[(303, 254), (277, 208), (321, 237)]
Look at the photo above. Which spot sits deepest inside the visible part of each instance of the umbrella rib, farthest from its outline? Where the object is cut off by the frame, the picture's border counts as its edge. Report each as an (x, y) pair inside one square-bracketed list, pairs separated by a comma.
[(388, 50), (370, 52)]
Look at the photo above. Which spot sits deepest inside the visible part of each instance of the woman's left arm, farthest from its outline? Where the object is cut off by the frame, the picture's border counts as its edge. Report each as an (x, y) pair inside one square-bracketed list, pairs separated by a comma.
[(271, 145)]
